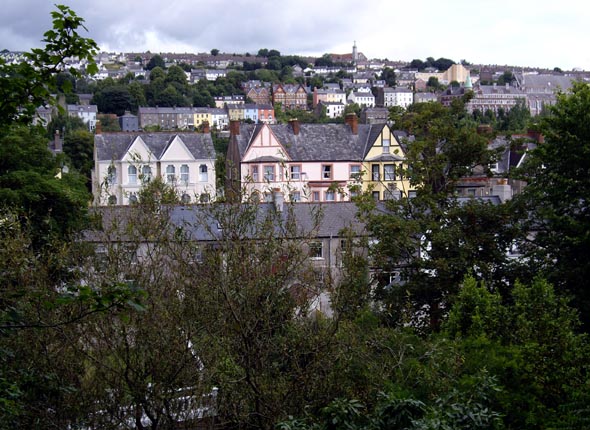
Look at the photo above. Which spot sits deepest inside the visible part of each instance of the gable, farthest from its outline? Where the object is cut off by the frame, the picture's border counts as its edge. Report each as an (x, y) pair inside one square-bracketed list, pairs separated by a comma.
[(176, 150), (265, 144), (138, 151), (380, 134)]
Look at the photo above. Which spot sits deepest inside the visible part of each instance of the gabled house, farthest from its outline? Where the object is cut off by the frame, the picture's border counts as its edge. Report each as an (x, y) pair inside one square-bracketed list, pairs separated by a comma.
[(124, 162), (384, 157), (290, 96), (310, 162)]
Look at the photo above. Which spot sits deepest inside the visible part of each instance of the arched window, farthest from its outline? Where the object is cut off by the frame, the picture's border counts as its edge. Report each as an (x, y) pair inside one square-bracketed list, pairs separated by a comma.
[(184, 174), (133, 199), (170, 173), (203, 177), (185, 198), (146, 174), (132, 174)]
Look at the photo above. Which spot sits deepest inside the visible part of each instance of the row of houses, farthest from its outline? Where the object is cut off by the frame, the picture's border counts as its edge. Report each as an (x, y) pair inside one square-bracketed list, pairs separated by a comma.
[(294, 162), (291, 162)]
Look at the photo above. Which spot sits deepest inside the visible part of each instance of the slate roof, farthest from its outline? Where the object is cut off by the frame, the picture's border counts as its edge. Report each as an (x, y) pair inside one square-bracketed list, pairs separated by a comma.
[(114, 146), (316, 142), (201, 222)]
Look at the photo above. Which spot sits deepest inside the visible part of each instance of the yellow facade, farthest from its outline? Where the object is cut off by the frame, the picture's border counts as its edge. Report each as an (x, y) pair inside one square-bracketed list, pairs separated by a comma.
[(382, 168), (201, 117)]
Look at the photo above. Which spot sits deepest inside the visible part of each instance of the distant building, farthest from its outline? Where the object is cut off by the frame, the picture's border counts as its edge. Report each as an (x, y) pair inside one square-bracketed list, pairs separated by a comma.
[(129, 122), (86, 113)]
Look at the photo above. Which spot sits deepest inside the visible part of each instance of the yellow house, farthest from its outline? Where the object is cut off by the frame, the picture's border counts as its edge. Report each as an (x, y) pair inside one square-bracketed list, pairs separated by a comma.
[(382, 166), (201, 116)]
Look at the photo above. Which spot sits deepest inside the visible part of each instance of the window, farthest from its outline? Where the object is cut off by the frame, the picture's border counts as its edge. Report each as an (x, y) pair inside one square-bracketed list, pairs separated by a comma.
[(170, 173), (185, 198), (375, 175), (112, 200), (389, 172), (204, 198), (269, 173), (316, 250), (184, 174), (132, 199), (132, 174), (386, 145), (296, 196), (330, 196), (375, 195), (316, 196), (254, 173), (355, 171), (111, 175), (326, 171), (296, 173), (146, 174), (203, 173)]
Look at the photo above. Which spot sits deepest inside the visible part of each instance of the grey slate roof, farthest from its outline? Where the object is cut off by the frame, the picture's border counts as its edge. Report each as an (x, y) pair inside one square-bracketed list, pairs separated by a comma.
[(113, 146), (200, 222), (317, 142)]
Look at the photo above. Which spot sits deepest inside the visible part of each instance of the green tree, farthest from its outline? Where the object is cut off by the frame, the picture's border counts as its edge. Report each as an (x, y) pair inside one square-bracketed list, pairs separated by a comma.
[(114, 99), (215, 52), (176, 74), (388, 75), (28, 85), (155, 61), (556, 196)]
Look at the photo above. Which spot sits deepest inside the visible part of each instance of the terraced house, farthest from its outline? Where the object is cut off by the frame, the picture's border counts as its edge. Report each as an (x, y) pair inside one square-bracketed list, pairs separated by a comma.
[(314, 162)]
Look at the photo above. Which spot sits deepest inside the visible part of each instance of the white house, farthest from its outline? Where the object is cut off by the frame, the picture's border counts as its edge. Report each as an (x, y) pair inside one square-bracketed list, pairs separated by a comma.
[(363, 99), (86, 113), (124, 162)]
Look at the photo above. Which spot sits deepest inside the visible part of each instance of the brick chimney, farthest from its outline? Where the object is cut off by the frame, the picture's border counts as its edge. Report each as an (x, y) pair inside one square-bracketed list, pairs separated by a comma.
[(234, 127), (206, 128), (98, 128), (353, 122), (295, 125)]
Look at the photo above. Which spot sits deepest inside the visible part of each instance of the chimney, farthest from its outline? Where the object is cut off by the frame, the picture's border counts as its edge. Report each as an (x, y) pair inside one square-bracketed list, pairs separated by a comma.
[(206, 128), (234, 127), (353, 122), (98, 128), (295, 125), (57, 146)]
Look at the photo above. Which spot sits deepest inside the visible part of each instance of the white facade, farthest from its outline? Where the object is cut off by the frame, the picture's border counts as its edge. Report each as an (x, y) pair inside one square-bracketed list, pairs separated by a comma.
[(119, 180), (363, 99)]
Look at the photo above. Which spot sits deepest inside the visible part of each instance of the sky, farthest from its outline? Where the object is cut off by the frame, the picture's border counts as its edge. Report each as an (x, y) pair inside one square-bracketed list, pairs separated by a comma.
[(535, 33)]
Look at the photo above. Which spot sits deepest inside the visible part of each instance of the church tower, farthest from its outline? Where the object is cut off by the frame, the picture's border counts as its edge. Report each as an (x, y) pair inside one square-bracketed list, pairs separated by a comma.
[(355, 55)]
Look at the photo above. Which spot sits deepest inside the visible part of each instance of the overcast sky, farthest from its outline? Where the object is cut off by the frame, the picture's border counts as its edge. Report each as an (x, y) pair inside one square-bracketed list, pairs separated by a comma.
[(540, 33)]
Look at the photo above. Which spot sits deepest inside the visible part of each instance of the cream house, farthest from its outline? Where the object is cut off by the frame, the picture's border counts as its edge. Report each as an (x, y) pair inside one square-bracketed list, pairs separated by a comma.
[(124, 162)]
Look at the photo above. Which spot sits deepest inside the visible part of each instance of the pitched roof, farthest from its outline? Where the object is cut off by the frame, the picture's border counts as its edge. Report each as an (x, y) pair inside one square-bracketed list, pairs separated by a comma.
[(114, 146)]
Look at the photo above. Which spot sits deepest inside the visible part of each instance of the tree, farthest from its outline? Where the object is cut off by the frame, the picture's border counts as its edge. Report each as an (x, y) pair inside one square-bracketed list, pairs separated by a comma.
[(215, 52), (556, 195), (28, 85), (176, 74), (155, 61), (432, 238), (388, 75), (114, 99)]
